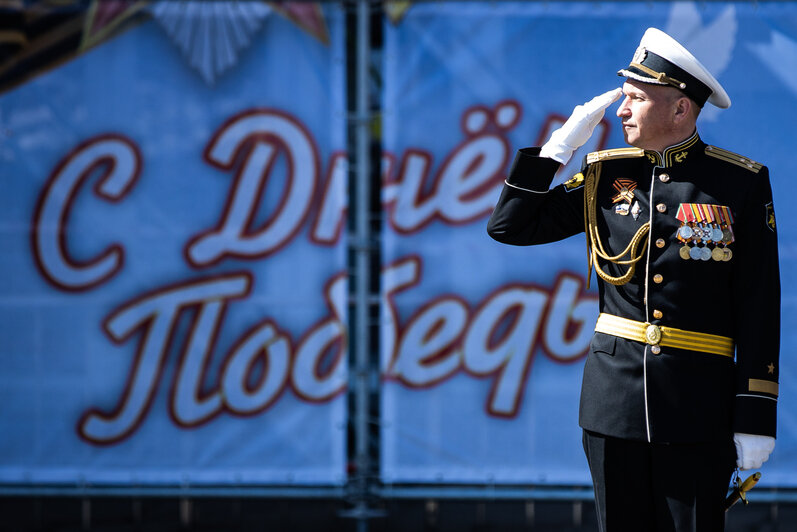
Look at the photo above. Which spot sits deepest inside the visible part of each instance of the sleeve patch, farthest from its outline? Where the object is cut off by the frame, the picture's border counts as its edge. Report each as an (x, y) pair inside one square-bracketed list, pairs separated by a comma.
[(577, 181), (770, 216)]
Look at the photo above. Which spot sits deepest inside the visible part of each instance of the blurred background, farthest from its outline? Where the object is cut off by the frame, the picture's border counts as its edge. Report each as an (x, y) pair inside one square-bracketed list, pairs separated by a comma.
[(246, 282)]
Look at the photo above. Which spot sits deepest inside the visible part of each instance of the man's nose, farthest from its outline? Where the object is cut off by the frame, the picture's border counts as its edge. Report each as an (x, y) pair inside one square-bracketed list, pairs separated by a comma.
[(623, 110)]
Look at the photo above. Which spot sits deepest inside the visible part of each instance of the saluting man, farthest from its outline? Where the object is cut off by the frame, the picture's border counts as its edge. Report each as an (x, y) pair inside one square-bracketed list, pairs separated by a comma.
[(681, 380)]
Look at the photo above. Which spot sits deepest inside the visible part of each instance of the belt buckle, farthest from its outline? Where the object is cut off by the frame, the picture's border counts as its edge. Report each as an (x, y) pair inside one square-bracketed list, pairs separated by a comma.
[(653, 334)]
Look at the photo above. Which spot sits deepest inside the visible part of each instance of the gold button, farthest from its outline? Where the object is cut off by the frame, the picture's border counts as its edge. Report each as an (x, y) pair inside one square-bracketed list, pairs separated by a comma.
[(664, 178), (661, 207), (657, 314), (660, 243), (655, 349), (658, 278)]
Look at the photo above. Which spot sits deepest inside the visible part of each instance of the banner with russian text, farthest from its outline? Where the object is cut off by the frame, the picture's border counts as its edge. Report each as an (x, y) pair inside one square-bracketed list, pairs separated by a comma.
[(173, 308), (482, 343)]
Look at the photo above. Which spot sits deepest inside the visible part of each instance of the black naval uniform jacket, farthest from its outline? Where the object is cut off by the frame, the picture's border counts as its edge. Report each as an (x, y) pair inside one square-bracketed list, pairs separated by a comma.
[(677, 395)]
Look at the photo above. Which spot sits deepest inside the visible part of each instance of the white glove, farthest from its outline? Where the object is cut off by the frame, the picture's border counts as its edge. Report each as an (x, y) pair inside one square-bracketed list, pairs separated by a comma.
[(752, 450), (578, 128)]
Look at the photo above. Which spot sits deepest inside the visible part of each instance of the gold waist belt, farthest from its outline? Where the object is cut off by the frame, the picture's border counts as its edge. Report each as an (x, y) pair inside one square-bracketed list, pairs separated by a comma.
[(664, 336)]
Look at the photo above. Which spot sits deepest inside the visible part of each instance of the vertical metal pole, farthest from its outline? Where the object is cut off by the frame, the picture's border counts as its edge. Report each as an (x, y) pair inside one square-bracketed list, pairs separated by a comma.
[(362, 277)]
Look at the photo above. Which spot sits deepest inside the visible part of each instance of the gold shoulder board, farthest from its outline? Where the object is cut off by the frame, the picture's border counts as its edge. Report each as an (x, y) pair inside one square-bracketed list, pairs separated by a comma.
[(733, 158), (617, 153)]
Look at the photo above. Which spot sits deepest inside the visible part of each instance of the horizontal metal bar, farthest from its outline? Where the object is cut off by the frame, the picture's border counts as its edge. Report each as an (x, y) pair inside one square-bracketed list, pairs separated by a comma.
[(563, 493), (275, 492), (543, 493), (550, 493)]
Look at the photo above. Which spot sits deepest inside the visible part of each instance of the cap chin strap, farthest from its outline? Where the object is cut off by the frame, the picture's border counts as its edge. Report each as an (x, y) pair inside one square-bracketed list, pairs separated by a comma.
[(660, 76)]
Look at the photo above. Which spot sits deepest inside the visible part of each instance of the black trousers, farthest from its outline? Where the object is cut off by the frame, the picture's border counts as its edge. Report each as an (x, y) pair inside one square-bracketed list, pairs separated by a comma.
[(657, 487)]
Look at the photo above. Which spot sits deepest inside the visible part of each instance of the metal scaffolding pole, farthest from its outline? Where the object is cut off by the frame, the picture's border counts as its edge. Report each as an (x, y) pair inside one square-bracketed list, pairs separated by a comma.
[(362, 249)]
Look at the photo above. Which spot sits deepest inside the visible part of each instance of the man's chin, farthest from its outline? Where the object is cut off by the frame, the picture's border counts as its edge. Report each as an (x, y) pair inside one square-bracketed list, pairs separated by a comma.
[(629, 139)]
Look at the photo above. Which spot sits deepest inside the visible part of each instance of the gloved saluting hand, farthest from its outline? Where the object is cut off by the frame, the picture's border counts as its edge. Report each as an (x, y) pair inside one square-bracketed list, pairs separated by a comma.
[(578, 128), (752, 450)]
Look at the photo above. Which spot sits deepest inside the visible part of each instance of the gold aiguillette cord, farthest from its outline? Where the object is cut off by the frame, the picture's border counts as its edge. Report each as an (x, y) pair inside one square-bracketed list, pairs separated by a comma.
[(595, 247)]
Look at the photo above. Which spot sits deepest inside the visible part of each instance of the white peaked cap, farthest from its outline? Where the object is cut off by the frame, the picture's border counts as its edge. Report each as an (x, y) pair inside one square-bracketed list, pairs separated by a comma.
[(662, 60)]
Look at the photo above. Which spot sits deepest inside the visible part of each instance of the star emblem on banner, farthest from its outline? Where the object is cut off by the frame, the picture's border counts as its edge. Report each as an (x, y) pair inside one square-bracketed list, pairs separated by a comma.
[(212, 35)]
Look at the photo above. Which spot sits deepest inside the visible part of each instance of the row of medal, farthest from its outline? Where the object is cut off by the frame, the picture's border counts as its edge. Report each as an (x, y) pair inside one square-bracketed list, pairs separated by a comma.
[(702, 226)]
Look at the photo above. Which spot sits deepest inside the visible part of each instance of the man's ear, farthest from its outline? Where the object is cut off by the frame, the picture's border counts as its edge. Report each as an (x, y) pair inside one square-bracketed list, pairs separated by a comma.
[(683, 109)]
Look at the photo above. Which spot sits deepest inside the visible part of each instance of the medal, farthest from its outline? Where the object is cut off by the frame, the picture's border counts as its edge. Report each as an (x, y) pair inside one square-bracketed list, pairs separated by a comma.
[(635, 210), (694, 223), (705, 253), (705, 233), (728, 254), (727, 219), (731, 238), (685, 232), (684, 252), (709, 216), (694, 253), (716, 218), (625, 190), (717, 254)]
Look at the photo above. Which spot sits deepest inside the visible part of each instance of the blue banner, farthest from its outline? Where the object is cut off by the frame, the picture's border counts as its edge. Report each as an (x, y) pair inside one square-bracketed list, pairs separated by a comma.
[(174, 276), (483, 344)]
